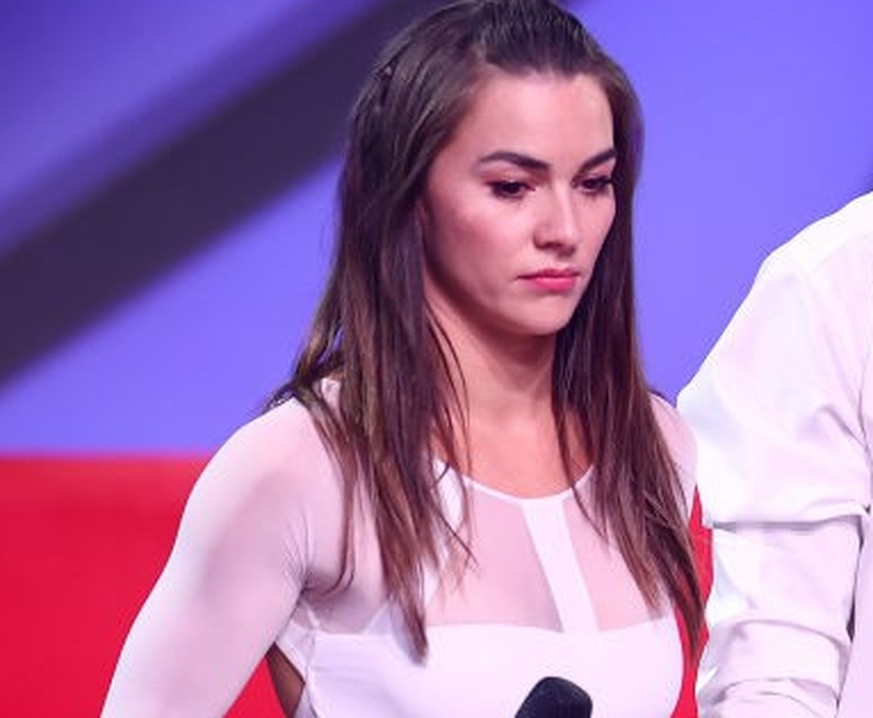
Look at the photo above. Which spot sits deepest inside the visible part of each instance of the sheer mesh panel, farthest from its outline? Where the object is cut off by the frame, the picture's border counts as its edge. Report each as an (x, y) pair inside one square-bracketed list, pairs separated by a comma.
[(504, 583)]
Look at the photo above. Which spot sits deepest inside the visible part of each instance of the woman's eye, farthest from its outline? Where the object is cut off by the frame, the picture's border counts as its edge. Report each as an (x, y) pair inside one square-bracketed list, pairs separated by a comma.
[(596, 185), (508, 189)]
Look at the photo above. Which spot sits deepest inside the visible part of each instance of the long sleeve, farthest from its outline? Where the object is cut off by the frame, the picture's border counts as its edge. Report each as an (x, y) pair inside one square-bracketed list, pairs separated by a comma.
[(780, 410), (239, 563)]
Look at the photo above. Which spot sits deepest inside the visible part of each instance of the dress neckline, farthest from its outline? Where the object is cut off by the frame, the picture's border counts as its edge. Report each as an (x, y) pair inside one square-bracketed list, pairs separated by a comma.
[(469, 482)]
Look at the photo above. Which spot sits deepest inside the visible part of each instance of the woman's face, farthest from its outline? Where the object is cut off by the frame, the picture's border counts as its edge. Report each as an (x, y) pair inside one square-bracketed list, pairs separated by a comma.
[(517, 205)]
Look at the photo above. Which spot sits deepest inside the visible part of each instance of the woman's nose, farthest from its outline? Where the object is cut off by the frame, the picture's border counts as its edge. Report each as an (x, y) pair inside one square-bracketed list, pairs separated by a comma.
[(560, 226)]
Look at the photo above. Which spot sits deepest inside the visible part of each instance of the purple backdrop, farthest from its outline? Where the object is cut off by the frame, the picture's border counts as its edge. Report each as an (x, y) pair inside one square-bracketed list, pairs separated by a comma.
[(168, 170)]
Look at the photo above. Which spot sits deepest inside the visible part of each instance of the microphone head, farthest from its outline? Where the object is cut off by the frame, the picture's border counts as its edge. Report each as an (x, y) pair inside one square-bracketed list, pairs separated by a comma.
[(554, 697)]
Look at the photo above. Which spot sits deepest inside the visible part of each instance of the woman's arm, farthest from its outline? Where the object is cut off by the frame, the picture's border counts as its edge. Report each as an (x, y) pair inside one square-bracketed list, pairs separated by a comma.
[(232, 580)]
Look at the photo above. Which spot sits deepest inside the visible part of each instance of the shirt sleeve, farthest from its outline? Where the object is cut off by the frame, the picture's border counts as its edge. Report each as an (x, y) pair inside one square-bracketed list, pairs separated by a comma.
[(237, 568), (784, 480)]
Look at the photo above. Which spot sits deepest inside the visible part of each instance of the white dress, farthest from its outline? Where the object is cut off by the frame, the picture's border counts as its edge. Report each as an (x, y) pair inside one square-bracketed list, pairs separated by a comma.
[(257, 557)]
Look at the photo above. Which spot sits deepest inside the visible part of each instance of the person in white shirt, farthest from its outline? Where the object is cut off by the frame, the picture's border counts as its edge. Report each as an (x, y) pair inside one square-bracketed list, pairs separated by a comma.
[(782, 409)]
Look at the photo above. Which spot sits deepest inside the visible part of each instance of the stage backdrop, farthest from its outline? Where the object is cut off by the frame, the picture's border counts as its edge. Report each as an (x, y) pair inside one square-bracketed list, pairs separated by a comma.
[(168, 171)]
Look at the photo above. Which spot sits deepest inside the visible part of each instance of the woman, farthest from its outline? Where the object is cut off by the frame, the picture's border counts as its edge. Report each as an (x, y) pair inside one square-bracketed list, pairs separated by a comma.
[(467, 485)]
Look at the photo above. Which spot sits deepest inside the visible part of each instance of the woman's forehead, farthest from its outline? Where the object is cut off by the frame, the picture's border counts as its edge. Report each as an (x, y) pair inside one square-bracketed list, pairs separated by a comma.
[(538, 113)]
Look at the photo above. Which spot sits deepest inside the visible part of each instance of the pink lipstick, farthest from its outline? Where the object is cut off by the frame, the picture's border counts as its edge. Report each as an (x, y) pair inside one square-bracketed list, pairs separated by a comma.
[(553, 280)]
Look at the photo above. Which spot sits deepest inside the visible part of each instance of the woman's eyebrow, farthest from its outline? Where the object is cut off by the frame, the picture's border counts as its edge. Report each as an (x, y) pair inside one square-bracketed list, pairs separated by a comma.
[(527, 162), (598, 159), (515, 158)]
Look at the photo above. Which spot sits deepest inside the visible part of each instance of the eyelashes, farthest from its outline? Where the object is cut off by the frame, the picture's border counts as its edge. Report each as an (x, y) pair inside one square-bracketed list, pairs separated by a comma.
[(508, 189), (516, 189), (596, 185)]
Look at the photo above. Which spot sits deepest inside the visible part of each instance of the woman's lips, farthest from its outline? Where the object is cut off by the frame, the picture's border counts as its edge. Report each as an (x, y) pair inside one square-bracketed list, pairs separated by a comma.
[(553, 280)]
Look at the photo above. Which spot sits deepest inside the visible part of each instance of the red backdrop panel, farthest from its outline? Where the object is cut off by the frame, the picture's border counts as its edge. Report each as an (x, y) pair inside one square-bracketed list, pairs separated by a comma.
[(82, 541), (81, 544)]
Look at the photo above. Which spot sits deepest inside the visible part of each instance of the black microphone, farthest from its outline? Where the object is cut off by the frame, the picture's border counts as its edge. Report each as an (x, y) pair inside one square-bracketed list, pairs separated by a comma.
[(554, 697)]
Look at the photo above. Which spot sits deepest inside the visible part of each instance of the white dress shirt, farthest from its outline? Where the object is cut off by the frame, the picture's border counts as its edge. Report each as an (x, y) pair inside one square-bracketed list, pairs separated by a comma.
[(782, 410)]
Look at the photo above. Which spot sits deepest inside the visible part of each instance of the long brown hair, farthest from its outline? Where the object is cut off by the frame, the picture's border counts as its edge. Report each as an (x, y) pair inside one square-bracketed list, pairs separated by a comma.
[(373, 332)]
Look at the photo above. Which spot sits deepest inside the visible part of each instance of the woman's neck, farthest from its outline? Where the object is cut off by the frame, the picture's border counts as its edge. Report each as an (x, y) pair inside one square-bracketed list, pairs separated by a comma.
[(507, 437), (500, 378)]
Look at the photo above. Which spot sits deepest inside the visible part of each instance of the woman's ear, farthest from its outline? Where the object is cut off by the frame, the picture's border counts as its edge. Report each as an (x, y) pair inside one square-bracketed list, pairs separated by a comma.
[(422, 220), (422, 217)]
